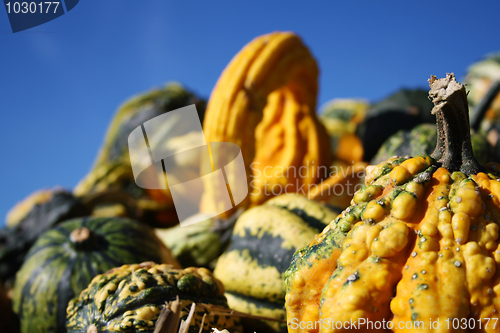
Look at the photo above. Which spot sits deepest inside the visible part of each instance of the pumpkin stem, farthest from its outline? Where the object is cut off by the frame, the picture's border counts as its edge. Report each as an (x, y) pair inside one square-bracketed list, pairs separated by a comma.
[(92, 329), (454, 149), (82, 238)]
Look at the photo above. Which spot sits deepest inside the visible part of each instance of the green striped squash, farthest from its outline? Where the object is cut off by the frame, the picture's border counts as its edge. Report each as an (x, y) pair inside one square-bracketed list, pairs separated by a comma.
[(130, 299), (417, 141), (28, 220), (262, 245), (64, 260), (197, 244)]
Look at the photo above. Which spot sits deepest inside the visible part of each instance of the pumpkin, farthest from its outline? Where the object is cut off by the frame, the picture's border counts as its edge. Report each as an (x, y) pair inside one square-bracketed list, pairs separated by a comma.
[(265, 102), (28, 220), (43, 210), (130, 299), (112, 169), (421, 240), (403, 109), (421, 140), (63, 261), (261, 248), (19, 212)]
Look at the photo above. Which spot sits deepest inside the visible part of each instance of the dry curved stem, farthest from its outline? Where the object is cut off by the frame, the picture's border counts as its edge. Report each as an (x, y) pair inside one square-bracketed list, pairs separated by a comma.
[(168, 321), (454, 149)]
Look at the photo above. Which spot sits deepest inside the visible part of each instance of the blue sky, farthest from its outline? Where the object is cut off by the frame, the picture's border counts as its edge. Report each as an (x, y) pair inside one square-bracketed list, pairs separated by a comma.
[(61, 82)]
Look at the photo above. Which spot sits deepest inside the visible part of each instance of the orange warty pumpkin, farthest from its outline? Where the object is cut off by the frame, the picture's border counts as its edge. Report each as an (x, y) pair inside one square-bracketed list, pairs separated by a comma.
[(418, 245)]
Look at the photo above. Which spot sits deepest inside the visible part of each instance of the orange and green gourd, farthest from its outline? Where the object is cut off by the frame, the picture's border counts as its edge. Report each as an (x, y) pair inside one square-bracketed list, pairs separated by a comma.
[(265, 102), (130, 299), (421, 241)]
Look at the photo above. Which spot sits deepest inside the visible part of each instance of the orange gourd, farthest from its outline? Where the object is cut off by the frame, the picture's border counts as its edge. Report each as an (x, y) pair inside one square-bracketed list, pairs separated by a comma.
[(418, 245)]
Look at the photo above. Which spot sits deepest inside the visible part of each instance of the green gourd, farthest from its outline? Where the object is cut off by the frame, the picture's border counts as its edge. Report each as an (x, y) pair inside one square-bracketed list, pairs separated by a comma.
[(66, 258)]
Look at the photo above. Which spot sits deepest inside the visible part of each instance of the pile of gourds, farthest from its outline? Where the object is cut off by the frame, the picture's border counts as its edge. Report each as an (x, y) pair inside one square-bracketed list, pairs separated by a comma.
[(411, 238)]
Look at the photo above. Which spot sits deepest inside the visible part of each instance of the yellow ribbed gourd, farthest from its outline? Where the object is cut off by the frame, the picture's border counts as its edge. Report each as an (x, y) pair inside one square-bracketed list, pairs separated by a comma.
[(265, 102), (421, 250)]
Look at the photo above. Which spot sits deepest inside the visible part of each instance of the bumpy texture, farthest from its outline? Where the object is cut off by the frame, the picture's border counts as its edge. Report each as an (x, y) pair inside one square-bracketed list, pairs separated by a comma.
[(429, 233), (262, 245), (58, 266), (421, 242), (130, 299), (265, 102)]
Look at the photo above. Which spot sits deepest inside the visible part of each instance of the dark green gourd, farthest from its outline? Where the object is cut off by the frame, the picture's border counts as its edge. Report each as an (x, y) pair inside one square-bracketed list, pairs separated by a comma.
[(64, 260), (130, 299)]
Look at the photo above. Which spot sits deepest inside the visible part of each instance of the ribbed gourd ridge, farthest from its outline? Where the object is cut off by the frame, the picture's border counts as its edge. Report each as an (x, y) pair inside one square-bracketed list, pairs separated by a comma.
[(265, 102)]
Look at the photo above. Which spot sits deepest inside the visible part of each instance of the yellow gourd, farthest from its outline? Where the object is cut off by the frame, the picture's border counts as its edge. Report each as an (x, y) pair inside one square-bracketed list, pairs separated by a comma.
[(265, 102)]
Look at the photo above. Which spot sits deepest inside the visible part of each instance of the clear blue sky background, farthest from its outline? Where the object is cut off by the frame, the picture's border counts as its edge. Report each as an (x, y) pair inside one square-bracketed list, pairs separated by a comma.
[(61, 82)]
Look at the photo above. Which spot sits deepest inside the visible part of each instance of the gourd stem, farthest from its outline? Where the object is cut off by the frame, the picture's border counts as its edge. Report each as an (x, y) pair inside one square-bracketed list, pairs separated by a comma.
[(454, 149), (92, 329), (82, 238)]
